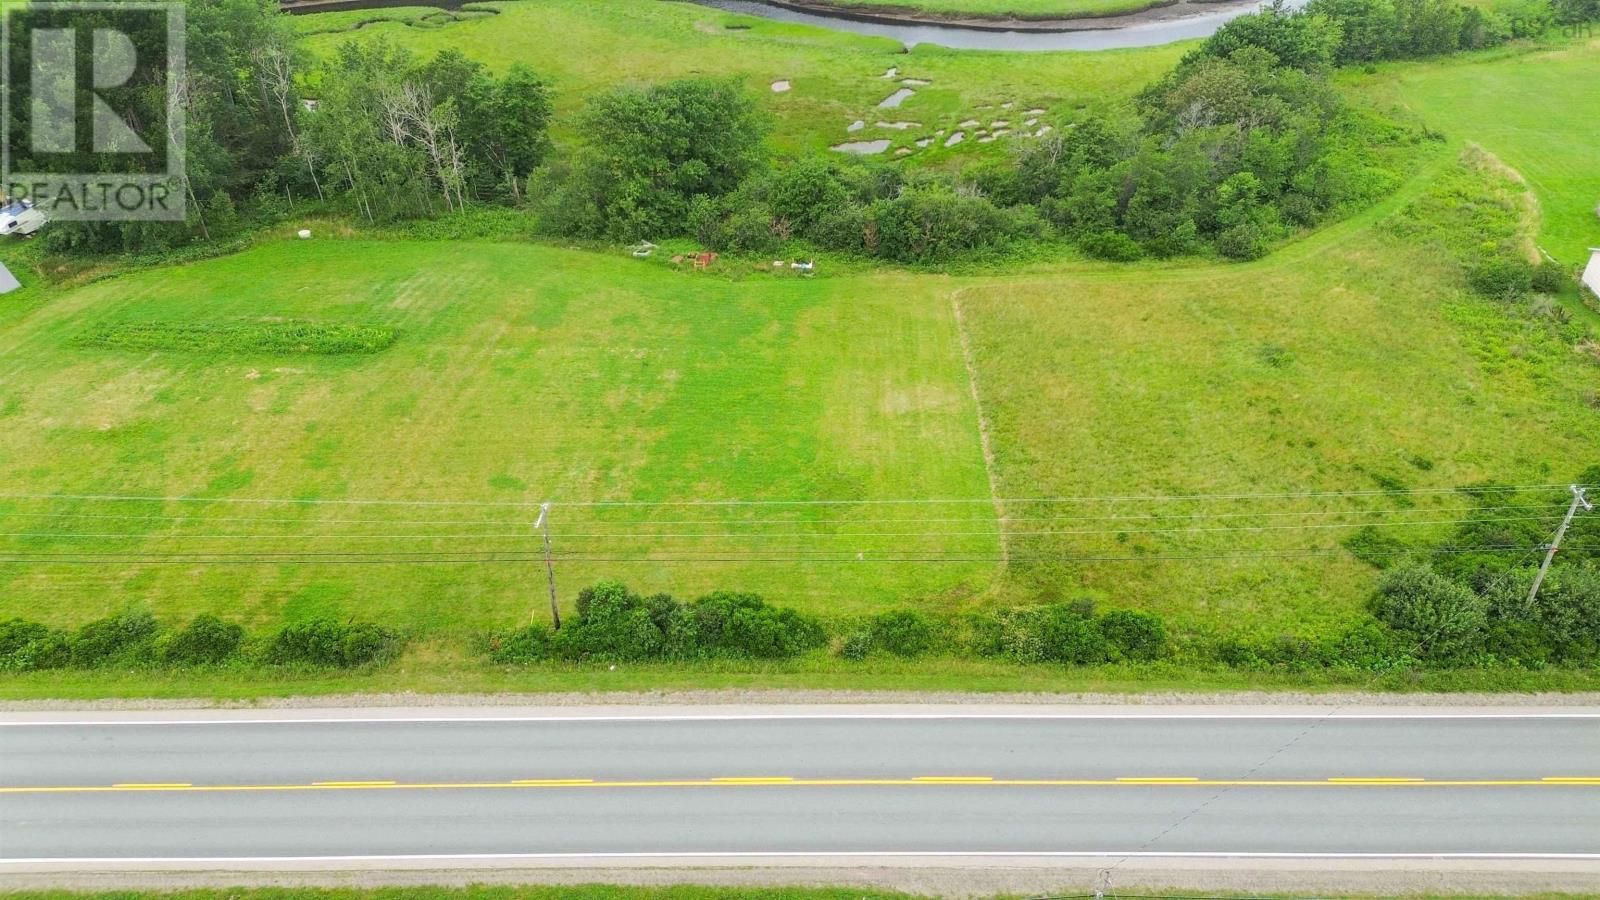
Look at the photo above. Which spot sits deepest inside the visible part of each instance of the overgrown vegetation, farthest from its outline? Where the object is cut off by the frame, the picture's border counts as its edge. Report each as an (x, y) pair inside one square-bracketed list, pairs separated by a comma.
[(133, 639), (318, 338), (614, 623), (1468, 609)]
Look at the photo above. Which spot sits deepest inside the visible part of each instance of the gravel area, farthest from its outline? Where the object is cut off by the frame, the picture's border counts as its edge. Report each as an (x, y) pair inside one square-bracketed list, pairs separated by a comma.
[(780, 698)]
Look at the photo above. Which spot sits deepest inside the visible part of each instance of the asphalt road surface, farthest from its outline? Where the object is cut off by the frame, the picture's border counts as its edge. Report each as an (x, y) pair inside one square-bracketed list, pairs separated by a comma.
[(218, 787)]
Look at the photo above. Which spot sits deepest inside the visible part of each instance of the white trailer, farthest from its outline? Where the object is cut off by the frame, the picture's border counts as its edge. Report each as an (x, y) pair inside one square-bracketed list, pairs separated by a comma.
[(20, 218)]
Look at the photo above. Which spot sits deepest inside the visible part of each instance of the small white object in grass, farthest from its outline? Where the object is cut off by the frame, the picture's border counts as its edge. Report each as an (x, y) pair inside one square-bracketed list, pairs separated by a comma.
[(1036, 111), (891, 73), (955, 139), (1031, 122), (779, 87), (856, 126), (970, 123), (304, 233), (923, 142), (916, 82), (1007, 105), (999, 123), (900, 126), (613, 668), (903, 151)]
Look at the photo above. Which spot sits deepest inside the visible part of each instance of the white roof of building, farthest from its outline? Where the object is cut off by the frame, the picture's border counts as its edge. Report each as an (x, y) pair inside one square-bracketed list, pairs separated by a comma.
[(1591, 275)]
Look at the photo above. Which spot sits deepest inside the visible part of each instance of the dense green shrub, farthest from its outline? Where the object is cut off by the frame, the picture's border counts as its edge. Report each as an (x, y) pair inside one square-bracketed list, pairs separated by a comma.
[(1550, 278), (616, 624), (330, 643), (649, 152), (18, 633), (1135, 635), (1059, 633), (1501, 278), (531, 643), (206, 640), (1445, 619), (30, 646), (744, 625), (856, 646), (902, 632), (124, 637)]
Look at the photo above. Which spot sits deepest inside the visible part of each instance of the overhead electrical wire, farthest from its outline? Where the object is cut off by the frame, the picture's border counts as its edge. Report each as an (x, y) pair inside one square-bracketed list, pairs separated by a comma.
[(923, 501)]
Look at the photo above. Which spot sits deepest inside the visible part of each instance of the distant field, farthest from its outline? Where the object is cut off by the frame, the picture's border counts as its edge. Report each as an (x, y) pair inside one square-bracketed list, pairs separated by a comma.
[(1536, 111), (836, 78)]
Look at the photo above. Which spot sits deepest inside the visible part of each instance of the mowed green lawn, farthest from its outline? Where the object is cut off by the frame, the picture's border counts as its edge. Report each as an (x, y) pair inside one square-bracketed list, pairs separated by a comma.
[(519, 374), (584, 47), (1536, 111)]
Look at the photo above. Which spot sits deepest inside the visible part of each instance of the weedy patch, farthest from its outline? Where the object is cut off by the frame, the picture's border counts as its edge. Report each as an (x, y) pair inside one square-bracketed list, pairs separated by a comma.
[(300, 338)]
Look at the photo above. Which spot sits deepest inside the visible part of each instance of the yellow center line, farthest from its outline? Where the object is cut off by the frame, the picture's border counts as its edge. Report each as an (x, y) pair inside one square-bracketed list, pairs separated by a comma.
[(784, 781)]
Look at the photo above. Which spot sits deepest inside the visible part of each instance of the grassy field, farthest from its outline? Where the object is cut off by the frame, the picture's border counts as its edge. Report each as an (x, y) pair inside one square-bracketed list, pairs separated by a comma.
[(835, 78), (1534, 111), (518, 374), (620, 389)]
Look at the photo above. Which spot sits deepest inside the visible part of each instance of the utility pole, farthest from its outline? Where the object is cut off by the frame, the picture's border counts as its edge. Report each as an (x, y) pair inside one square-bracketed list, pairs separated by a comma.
[(549, 564), (1578, 499)]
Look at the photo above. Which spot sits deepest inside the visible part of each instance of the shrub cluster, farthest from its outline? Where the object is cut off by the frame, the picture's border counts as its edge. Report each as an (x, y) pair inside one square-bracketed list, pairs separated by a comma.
[(1070, 633), (614, 623), (133, 638)]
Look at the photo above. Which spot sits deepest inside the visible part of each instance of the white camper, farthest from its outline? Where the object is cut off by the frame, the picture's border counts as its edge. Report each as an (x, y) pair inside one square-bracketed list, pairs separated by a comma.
[(20, 218)]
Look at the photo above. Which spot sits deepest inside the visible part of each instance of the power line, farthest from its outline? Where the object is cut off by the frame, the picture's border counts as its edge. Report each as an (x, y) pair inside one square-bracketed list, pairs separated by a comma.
[(634, 536), (923, 501), (443, 558), (202, 517)]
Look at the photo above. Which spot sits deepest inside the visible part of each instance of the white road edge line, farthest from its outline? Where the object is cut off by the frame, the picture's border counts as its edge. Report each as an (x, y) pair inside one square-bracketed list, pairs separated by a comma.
[(745, 854), (734, 717)]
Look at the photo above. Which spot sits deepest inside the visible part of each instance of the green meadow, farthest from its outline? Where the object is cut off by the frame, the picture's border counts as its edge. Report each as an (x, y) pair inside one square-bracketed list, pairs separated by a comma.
[(1534, 110), (618, 389), (364, 425)]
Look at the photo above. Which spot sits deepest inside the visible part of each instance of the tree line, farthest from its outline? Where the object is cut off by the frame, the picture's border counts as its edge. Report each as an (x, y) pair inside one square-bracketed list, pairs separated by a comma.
[(1243, 143)]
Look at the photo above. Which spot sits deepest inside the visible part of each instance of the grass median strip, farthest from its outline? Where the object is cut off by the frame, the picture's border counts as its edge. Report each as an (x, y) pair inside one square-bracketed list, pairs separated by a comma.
[(920, 781)]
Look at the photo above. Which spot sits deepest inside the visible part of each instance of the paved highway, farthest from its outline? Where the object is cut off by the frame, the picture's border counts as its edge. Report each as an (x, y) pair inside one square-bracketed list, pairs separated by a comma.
[(234, 786)]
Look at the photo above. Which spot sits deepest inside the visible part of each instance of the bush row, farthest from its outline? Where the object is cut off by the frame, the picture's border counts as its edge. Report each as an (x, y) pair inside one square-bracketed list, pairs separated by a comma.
[(614, 623), (133, 638)]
